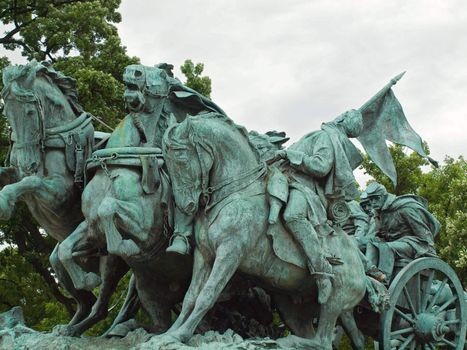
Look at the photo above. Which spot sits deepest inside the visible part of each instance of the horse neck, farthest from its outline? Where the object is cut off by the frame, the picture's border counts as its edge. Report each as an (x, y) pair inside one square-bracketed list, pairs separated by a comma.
[(233, 157), (55, 114), (53, 119)]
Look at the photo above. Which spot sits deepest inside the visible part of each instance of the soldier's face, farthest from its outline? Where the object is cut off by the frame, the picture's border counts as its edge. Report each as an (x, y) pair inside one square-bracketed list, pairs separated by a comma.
[(376, 202), (366, 206)]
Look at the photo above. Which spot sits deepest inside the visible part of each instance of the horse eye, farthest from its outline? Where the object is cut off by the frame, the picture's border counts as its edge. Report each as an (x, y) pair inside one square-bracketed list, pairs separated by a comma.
[(30, 113)]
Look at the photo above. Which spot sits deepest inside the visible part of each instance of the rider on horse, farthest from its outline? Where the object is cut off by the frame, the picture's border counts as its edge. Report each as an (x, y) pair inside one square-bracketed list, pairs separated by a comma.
[(320, 170)]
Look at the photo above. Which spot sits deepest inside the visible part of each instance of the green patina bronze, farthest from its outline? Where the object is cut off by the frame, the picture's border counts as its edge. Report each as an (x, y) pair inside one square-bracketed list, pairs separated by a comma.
[(51, 138), (179, 193)]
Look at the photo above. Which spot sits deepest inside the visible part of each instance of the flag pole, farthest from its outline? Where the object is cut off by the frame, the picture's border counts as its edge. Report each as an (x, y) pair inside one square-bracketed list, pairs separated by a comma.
[(380, 93)]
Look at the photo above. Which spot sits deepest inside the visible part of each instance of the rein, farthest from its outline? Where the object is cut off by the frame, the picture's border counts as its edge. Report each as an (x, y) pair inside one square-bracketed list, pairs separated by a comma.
[(74, 137), (216, 193)]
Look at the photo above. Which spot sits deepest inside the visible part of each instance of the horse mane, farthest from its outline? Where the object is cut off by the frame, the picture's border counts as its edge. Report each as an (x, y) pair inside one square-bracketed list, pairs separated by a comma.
[(66, 84), (201, 119)]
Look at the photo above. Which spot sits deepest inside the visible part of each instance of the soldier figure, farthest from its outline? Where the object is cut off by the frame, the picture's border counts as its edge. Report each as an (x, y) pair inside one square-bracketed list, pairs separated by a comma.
[(407, 228), (320, 169)]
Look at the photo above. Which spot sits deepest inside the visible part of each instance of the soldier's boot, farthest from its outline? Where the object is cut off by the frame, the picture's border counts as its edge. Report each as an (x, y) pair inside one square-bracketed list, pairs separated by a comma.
[(306, 235), (179, 245)]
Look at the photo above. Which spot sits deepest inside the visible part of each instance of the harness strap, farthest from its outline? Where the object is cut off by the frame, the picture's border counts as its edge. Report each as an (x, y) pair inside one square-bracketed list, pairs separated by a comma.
[(216, 194)]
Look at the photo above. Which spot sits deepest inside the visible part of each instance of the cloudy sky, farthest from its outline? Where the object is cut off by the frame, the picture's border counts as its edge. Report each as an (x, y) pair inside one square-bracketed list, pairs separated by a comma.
[(290, 65)]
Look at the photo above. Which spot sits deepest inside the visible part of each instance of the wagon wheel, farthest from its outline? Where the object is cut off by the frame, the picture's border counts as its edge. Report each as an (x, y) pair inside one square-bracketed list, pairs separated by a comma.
[(418, 319)]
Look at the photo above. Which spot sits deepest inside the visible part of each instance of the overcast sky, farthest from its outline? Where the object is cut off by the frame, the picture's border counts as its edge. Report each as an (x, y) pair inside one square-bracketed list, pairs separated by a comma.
[(290, 65)]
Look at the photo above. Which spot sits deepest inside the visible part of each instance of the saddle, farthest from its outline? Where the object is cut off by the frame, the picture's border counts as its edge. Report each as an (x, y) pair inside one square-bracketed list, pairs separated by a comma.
[(287, 249), (148, 159), (77, 139), (284, 245)]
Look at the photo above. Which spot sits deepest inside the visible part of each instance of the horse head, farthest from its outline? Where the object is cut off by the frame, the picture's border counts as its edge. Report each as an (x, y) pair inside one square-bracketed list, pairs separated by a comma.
[(209, 157), (146, 86), (36, 97), (267, 144), (189, 162)]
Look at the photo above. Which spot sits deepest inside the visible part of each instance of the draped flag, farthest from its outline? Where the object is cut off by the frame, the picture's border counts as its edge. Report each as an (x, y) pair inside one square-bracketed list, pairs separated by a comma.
[(384, 119)]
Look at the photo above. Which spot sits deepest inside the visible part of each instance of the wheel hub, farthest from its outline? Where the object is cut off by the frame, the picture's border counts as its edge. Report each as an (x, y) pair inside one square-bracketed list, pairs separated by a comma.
[(429, 327)]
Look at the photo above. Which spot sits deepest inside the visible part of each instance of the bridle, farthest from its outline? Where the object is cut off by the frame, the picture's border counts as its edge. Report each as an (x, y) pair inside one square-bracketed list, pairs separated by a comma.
[(212, 194), (40, 141)]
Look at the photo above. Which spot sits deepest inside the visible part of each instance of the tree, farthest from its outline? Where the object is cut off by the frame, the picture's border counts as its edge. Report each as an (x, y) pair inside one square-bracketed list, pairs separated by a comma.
[(45, 29), (409, 173), (445, 189), (80, 39), (194, 79)]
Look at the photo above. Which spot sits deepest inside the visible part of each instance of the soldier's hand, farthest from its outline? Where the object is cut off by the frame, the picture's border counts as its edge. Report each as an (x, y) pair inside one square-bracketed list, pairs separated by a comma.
[(282, 153)]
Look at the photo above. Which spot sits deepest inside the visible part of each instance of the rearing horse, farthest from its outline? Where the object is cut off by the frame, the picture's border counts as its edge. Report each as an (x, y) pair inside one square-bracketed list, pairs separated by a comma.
[(211, 161), (51, 139)]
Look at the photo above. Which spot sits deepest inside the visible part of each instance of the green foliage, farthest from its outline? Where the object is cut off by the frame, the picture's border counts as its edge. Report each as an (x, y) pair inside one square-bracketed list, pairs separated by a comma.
[(45, 29), (408, 170), (80, 39), (194, 79), (445, 189), (21, 285)]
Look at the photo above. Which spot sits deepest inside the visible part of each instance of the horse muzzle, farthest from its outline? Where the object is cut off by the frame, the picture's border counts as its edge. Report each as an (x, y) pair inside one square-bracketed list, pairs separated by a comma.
[(134, 101)]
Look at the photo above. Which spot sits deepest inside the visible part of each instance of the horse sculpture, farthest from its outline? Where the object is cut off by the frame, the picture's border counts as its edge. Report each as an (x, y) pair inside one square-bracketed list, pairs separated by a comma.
[(212, 164), (51, 138), (127, 205)]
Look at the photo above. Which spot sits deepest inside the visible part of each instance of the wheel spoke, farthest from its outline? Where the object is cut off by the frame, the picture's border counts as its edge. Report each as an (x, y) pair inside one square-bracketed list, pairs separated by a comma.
[(438, 293), (426, 291), (404, 316), (402, 331), (409, 301), (448, 342), (418, 300), (446, 304), (407, 342), (451, 322)]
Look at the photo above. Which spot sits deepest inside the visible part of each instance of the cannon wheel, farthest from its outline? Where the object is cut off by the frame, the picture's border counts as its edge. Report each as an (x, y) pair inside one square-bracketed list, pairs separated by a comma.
[(426, 323)]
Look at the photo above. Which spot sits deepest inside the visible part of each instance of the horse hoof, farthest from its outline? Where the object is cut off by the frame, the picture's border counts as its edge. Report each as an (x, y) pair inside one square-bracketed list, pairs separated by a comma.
[(64, 330), (91, 281), (128, 248)]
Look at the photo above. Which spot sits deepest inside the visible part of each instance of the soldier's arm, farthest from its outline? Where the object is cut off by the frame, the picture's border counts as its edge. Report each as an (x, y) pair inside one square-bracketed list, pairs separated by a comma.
[(420, 229), (318, 161)]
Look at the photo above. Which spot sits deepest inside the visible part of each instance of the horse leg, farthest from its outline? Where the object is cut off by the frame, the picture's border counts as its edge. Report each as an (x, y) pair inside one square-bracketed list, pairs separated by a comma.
[(155, 300), (228, 258), (108, 210), (201, 271), (84, 299), (129, 308), (113, 270), (81, 279), (52, 190), (328, 315), (294, 315), (350, 327)]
